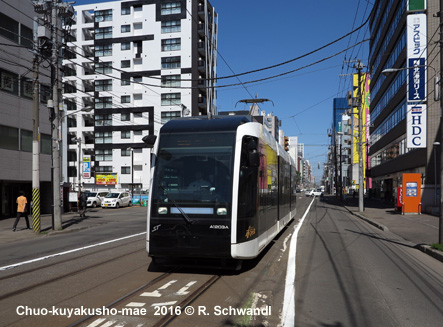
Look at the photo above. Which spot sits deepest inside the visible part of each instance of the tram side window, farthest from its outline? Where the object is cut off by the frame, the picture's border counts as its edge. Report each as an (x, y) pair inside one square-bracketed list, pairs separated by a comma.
[(248, 186)]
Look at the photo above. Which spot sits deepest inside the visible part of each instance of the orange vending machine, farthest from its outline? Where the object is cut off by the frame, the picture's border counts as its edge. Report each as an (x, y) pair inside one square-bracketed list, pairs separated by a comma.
[(411, 193)]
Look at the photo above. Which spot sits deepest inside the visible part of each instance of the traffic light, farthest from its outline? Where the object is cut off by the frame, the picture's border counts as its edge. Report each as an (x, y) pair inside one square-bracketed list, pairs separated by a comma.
[(286, 145)]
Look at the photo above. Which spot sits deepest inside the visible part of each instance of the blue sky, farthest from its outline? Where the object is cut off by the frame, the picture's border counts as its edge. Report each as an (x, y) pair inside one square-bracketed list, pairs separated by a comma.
[(254, 34)]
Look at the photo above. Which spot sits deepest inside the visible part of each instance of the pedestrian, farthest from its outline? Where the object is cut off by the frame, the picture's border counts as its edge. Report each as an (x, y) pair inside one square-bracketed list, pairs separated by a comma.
[(82, 204), (21, 210)]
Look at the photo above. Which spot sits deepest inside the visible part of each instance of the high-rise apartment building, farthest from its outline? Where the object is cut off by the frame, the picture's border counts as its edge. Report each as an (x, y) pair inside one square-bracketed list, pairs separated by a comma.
[(137, 64)]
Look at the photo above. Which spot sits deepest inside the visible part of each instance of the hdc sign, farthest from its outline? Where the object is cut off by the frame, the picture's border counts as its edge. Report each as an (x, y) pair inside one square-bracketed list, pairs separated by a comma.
[(416, 126)]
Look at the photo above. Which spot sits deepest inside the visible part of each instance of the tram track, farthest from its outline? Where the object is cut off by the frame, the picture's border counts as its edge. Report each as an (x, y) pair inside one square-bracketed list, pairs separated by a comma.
[(166, 319)]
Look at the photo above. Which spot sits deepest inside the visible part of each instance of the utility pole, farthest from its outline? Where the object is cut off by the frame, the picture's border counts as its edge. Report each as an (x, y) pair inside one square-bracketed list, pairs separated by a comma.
[(440, 223), (36, 136), (56, 30), (359, 66)]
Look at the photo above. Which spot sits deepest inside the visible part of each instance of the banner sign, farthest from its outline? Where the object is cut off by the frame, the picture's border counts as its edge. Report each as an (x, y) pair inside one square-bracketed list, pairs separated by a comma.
[(416, 57), (106, 179), (416, 126), (87, 167)]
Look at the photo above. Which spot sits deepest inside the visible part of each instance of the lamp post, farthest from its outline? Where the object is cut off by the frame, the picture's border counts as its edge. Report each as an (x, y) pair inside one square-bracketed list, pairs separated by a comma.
[(132, 171)]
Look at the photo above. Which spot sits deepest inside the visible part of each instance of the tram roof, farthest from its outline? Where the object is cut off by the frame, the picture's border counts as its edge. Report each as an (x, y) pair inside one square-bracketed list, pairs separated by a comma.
[(203, 124)]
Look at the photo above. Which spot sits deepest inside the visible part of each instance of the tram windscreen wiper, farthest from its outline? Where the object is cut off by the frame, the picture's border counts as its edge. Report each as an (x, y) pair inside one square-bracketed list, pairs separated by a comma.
[(184, 215)]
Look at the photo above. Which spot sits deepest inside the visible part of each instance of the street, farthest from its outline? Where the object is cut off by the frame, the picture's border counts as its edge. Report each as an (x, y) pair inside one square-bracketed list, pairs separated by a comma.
[(348, 273)]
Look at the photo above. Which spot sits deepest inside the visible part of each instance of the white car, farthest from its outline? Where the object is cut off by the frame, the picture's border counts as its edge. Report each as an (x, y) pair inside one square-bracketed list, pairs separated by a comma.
[(94, 199), (117, 200), (314, 193)]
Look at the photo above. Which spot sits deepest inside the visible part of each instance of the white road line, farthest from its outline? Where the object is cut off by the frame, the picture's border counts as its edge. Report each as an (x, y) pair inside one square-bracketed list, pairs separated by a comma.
[(96, 322), (184, 290), (135, 304), (156, 293), (167, 284), (109, 323), (15, 265), (288, 315)]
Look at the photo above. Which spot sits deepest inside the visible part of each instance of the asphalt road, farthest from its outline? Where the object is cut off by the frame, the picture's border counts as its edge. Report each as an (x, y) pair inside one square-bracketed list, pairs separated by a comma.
[(348, 273)]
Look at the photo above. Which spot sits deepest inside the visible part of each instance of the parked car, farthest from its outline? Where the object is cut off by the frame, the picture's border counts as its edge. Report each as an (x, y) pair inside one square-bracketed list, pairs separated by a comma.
[(317, 192), (94, 199), (117, 200)]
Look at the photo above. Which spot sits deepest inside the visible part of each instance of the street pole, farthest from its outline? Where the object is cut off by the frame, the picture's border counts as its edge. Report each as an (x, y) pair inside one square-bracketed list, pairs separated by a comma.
[(359, 67), (440, 223), (79, 178), (56, 28), (36, 225), (341, 167), (132, 172)]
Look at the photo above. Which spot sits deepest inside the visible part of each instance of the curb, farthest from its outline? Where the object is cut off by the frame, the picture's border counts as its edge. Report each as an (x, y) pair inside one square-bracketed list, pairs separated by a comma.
[(379, 226), (424, 248)]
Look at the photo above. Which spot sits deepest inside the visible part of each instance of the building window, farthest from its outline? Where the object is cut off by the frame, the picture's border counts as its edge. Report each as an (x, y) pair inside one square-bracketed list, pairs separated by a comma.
[(171, 44), (171, 99), (45, 93), (25, 140), (103, 120), (103, 15), (8, 138), (103, 155), (125, 117), (103, 50), (167, 116), (126, 135), (126, 63), (125, 82), (126, 28), (171, 81), (126, 45), (103, 169), (126, 153), (126, 170), (103, 67), (103, 33), (126, 99), (27, 88), (9, 28), (138, 114), (8, 82), (46, 144), (103, 137), (103, 103), (171, 8), (103, 85), (171, 62), (171, 26), (126, 11)]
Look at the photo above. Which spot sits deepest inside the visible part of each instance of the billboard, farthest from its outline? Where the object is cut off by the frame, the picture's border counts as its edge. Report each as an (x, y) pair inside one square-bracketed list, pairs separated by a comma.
[(416, 126), (106, 179), (87, 167), (416, 57)]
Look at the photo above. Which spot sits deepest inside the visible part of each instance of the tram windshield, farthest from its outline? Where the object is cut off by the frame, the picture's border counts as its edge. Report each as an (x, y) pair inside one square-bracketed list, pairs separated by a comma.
[(194, 169)]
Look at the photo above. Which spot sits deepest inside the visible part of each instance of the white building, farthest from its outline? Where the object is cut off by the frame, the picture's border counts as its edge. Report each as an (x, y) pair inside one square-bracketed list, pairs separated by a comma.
[(138, 64)]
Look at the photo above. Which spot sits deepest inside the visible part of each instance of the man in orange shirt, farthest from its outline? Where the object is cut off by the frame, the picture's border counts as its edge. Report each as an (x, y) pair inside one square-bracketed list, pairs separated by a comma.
[(21, 210)]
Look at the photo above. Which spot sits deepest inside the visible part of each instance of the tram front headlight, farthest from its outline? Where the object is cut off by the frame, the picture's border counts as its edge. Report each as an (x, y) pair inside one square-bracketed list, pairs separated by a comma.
[(222, 211), (162, 210)]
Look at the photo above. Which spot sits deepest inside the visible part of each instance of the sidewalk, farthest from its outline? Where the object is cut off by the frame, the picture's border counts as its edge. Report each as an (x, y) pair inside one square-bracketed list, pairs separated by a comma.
[(421, 230), (71, 221)]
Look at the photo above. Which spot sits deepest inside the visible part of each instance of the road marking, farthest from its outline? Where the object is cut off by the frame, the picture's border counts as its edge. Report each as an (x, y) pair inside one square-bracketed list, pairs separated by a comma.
[(109, 323), (15, 265), (96, 322), (184, 290), (168, 284), (135, 304), (288, 315), (156, 293)]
